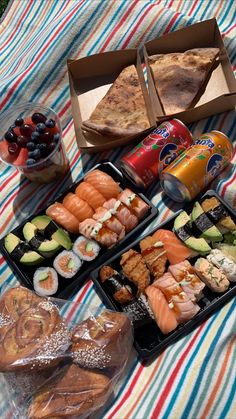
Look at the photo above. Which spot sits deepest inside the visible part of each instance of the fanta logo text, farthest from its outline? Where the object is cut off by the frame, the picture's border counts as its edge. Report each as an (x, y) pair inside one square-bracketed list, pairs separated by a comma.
[(207, 143), (162, 131)]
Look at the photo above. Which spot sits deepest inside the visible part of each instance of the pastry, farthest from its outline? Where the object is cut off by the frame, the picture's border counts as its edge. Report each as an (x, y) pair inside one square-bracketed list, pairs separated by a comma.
[(32, 333), (103, 341), (73, 392)]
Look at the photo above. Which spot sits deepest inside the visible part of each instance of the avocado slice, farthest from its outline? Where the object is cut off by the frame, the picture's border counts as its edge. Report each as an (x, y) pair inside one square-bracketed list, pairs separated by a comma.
[(228, 250), (182, 228), (46, 247), (207, 229), (51, 230), (21, 251)]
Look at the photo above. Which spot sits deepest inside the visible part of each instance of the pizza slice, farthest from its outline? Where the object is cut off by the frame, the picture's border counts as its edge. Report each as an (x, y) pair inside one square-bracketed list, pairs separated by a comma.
[(122, 111), (179, 77)]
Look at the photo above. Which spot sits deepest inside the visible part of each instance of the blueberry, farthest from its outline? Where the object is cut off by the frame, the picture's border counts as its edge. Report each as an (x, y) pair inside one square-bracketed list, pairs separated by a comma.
[(56, 137), (35, 154), (19, 122), (31, 146), (43, 149), (35, 136), (38, 117), (22, 141), (26, 130), (13, 148), (50, 123), (40, 128), (29, 162), (10, 136)]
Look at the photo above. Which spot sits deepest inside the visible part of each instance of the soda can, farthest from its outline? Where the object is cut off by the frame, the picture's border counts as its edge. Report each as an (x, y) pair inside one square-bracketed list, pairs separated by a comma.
[(197, 166), (144, 163)]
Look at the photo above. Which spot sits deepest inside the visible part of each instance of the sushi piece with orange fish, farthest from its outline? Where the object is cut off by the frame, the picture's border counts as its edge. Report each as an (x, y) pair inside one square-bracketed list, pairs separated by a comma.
[(90, 194), (177, 299), (103, 183), (45, 281), (134, 203), (109, 220), (185, 275), (77, 206), (164, 315), (176, 251), (62, 216), (92, 229), (124, 215)]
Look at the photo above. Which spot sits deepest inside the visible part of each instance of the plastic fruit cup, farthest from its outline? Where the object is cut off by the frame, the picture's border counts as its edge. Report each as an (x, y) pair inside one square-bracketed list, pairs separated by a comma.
[(47, 169)]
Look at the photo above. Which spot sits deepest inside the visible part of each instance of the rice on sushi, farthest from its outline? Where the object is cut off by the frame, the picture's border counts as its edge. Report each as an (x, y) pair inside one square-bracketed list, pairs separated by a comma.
[(67, 264), (85, 248), (45, 281)]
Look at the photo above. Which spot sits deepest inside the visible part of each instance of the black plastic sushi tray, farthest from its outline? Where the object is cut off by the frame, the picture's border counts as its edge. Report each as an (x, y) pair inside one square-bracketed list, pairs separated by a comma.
[(67, 287), (149, 341)]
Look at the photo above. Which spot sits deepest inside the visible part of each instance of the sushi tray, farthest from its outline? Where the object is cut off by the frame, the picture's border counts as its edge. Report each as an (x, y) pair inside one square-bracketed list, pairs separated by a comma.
[(175, 276), (54, 251)]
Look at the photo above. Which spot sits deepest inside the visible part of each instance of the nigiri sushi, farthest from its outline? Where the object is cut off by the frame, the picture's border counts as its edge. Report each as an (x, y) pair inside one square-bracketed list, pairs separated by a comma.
[(94, 230), (224, 263), (164, 315), (106, 218), (103, 183), (62, 216), (78, 207), (124, 215), (134, 203), (176, 251), (135, 269), (177, 299), (213, 277), (154, 255), (184, 274), (90, 194)]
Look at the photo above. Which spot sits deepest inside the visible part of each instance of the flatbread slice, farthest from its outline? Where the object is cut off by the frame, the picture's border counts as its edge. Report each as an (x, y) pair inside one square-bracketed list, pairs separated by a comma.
[(122, 110), (179, 77)]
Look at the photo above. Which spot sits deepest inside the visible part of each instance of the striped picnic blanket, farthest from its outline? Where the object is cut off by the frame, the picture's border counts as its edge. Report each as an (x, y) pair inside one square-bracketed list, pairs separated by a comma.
[(195, 377)]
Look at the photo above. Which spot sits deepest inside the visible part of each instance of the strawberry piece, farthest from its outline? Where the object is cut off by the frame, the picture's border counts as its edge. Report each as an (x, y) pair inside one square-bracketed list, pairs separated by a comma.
[(5, 155), (22, 157)]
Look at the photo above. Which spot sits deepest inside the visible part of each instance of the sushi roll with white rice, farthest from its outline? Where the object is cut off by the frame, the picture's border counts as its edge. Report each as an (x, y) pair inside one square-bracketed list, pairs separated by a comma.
[(224, 263), (67, 264), (85, 248), (45, 281)]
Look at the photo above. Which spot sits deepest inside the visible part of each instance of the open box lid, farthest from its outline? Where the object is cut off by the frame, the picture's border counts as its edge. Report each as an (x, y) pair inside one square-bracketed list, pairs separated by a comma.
[(220, 91), (90, 78)]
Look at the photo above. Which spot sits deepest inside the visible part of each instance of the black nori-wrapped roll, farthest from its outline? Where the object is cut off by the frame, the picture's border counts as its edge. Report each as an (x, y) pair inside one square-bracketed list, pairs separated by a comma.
[(121, 289), (139, 311)]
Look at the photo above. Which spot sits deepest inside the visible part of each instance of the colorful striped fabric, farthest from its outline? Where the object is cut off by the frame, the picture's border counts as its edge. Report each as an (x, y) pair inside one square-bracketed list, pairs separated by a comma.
[(195, 378)]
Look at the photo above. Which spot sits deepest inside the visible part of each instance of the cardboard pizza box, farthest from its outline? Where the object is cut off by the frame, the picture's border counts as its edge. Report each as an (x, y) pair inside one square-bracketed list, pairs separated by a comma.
[(90, 78), (220, 91)]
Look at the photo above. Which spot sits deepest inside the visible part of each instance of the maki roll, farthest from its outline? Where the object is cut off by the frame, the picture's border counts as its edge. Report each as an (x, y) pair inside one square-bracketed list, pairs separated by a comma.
[(67, 264), (86, 249), (45, 281)]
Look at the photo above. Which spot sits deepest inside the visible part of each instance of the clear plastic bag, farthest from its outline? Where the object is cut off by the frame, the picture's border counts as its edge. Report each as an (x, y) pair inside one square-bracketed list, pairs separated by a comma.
[(60, 358)]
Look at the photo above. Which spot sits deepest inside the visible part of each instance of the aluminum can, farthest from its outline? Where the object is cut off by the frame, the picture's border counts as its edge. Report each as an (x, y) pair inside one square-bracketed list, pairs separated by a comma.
[(197, 166), (144, 163)]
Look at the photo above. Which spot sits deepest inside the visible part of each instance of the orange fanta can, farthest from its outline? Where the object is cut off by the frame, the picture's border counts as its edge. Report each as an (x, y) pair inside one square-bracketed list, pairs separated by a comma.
[(197, 166)]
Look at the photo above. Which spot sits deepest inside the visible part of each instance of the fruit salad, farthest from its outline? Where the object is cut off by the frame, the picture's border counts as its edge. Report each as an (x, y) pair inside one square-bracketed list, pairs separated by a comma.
[(33, 145)]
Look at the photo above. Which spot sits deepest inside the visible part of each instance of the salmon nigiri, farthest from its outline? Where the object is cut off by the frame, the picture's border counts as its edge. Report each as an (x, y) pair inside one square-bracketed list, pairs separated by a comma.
[(103, 183), (90, 194), (94, 230), (164, 315), (176, 251), (78, 207), (109, 220), (63, 217), (124, 215), (134, 203)]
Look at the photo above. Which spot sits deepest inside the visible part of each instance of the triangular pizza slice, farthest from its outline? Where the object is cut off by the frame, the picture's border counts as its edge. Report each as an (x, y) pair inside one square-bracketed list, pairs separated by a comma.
[(179, 77)]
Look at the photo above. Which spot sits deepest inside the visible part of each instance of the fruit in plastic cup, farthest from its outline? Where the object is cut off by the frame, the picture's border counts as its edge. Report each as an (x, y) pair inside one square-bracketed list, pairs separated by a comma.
[(51, 162)]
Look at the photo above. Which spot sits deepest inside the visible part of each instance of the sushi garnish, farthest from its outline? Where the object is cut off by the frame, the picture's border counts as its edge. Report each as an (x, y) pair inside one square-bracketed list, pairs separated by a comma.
[(45, 281), (154, 255), (86, 249), (67, 264)]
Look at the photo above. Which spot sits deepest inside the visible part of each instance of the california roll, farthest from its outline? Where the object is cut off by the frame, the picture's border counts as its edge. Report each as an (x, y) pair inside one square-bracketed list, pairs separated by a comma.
[(45, 281), (86, 249), (67, 264)]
